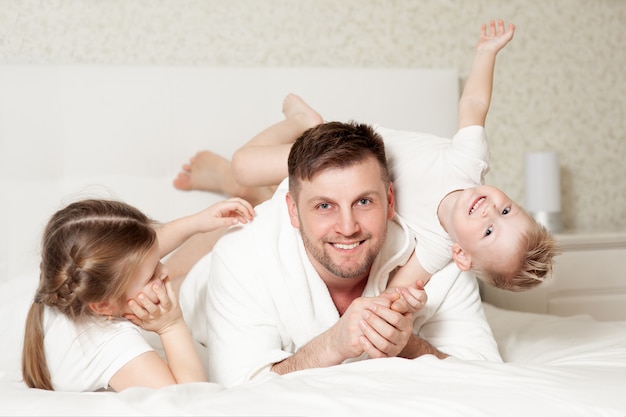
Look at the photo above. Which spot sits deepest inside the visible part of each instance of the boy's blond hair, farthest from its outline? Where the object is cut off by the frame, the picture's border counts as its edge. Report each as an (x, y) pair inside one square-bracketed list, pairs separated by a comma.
[(535, 263)]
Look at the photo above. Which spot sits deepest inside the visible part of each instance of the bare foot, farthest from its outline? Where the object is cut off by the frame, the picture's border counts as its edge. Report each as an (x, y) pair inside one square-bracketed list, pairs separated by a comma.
[(297, 109), (207, 171)]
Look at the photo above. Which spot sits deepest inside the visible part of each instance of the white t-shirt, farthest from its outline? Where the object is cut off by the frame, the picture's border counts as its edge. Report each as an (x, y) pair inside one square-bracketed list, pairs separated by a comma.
[(425, 168), (84, 356)]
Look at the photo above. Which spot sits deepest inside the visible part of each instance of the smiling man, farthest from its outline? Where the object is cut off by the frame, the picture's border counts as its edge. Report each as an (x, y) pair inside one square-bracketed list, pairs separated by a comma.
[(300, 286)]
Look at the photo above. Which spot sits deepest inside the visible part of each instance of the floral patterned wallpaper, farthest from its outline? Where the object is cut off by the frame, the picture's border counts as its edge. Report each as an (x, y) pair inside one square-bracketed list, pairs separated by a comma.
[(560, 84)]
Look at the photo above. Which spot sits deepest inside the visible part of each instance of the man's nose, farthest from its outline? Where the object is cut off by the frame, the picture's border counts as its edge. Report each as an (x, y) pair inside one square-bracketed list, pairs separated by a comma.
[(347, 224)]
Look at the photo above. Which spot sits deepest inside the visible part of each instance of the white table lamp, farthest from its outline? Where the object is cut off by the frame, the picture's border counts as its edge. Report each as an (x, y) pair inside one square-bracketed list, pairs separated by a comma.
[(543, 189)]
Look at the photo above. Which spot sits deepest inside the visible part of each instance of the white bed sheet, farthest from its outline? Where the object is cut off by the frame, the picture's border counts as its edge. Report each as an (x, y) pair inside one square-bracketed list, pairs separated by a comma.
[(555, 366)]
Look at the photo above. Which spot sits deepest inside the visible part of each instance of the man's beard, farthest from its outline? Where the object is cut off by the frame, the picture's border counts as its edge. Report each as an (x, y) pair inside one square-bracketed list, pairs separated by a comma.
[(342, 271)]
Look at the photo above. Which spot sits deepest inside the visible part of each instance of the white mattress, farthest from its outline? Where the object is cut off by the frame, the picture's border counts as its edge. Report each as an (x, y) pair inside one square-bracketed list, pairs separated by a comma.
[(554, 366)]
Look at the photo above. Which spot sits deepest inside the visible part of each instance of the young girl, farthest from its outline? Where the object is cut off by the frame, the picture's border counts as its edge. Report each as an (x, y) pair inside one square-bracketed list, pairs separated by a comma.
[(101, 279)]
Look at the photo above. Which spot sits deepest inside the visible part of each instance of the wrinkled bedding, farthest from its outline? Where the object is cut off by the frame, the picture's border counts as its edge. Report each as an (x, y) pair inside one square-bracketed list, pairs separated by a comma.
[(554, 366)]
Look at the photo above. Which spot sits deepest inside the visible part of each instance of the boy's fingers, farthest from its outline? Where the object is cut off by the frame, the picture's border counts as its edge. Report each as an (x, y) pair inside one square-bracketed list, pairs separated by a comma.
[(419, 295)]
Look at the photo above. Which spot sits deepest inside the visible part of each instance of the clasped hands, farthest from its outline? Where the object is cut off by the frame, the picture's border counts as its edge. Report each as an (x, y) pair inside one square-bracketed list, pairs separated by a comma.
[(379, 326)]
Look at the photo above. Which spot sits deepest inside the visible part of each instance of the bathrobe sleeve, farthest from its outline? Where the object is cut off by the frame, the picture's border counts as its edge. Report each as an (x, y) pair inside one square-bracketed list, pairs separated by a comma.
[(264, 298)]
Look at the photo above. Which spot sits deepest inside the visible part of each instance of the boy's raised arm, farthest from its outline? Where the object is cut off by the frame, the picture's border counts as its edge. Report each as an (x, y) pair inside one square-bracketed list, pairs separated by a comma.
[(476, 96)]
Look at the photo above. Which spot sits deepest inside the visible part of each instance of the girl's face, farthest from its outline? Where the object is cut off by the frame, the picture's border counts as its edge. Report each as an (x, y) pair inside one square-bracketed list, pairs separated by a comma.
[(150, 270)]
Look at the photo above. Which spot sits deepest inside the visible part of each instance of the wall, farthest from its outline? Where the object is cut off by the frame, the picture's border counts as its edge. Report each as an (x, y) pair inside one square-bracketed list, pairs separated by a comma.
[(119, 131), (559, 85)]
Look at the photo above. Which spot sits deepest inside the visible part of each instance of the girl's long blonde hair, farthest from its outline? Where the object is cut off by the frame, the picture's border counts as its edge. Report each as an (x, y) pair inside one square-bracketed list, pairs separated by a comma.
[(89, 251)]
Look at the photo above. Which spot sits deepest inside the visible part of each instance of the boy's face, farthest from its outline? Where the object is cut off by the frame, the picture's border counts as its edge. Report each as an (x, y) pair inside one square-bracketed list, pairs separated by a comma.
[(488, 225), (342, 215)]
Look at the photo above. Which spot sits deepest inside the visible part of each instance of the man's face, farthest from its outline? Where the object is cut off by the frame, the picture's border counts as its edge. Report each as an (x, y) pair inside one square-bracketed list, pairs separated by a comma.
[(342, 215)]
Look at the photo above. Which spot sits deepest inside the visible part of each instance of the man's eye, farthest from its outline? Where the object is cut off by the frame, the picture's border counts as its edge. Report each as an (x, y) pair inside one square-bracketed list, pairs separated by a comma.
[(489, 231), (323, 206), (506, 210), (364, 201)]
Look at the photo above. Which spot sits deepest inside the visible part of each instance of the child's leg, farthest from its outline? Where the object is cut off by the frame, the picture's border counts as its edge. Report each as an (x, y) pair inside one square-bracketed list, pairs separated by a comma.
[(262, 161), (207, 171), (260, 164)]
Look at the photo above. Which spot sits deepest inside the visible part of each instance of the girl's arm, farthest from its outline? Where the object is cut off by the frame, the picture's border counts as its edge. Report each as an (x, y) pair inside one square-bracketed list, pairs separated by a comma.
[(222, 214), (165, 318)]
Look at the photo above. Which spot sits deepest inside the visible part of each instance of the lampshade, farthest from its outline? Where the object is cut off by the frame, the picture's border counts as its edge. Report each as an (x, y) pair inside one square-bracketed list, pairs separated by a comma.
[(543, 188)]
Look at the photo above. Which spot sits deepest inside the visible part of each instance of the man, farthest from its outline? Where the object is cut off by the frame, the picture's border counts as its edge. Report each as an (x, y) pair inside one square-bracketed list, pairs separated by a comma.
[(299, 287)]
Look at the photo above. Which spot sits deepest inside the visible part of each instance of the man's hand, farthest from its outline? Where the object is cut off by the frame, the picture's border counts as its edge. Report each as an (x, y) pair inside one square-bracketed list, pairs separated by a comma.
[(385, 332), (348, 332), (344, 340)]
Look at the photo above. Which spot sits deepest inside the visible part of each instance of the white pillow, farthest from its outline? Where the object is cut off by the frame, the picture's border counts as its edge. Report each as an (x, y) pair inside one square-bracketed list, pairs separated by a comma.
[(543, 338)]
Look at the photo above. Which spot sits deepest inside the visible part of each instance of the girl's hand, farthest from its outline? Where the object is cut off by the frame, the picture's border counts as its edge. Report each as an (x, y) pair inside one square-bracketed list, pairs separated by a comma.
[(225, 213), (157, 317)]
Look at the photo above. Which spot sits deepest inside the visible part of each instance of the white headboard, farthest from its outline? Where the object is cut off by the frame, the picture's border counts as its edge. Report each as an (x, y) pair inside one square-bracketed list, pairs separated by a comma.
[(125, 131)]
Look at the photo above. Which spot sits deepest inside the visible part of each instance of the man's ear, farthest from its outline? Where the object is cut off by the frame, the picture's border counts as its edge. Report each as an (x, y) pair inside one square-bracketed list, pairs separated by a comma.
[(391, 202), (102, 308), (293, 211), (461, 258)]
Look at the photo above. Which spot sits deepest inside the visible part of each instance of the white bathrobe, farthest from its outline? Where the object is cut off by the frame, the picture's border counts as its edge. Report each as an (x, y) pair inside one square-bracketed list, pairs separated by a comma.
[(256, 299)]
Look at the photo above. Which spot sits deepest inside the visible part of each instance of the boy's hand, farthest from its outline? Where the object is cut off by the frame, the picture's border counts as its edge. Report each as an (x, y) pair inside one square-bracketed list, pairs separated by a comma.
[(412, 298), (495, 37)]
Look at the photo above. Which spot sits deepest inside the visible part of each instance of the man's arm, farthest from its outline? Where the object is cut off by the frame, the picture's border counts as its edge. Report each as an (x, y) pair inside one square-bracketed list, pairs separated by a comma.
[(369, 326), (338, 343), (476, 96), (318, 353)]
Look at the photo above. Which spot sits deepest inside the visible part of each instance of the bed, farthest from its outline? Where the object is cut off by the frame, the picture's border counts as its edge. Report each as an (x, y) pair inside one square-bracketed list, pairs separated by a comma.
[(123, 132)]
